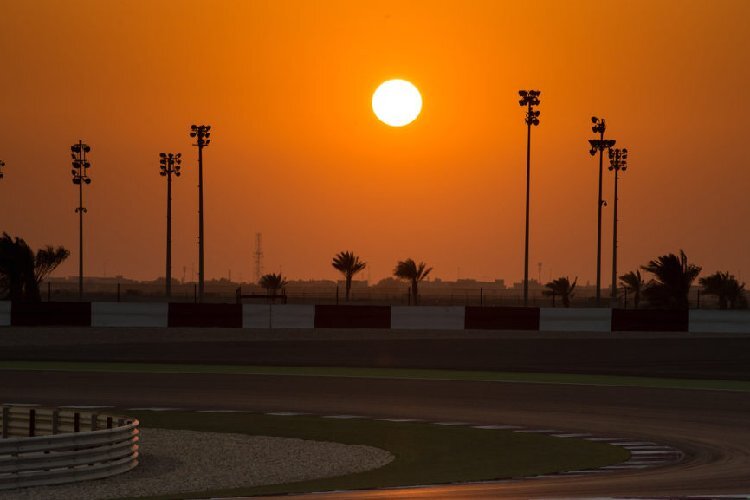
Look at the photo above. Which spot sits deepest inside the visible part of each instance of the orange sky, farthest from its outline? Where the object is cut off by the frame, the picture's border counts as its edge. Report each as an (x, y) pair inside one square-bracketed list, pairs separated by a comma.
[(298, 155)]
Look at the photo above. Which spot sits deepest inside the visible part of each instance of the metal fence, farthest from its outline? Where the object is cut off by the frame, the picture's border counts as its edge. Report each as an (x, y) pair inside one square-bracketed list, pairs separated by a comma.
[(332, 293), (45, 446)]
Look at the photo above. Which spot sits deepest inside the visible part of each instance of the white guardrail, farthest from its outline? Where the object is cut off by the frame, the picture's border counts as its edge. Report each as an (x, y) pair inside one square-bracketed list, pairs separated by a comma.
[(44, 446)]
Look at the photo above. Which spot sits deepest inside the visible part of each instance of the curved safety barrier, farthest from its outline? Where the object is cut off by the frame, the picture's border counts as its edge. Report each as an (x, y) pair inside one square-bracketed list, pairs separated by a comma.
[(45, 446)]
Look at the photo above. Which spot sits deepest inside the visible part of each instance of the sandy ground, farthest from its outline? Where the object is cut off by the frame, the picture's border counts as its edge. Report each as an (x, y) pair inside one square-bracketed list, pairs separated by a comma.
[(174, 461)]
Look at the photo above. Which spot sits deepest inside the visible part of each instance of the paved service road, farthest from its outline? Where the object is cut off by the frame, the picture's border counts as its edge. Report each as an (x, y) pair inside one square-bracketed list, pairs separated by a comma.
[(710, 427)]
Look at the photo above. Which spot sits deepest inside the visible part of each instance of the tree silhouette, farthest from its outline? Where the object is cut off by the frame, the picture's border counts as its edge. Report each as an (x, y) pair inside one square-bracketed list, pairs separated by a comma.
[(21, 271), (561, 287), (673, 277), (634, 284), (409, 270), (272, 282), (730, 292), (348, 264)]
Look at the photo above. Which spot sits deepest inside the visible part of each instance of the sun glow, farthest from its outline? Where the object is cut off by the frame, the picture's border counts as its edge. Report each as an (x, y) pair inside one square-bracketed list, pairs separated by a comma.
[(397, 103)]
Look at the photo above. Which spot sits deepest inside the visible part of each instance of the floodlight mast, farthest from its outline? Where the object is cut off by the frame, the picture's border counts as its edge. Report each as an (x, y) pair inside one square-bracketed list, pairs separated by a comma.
[(599, 145), (529, 99), (201, 134), (618, 160), (169, 163), (80, 177)]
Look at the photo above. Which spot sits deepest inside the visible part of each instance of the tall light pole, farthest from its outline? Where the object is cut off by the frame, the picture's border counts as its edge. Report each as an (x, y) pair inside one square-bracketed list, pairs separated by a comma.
[(169, 164), (80, 177), (201, 133), (529, 99), (618, 160), (599, 145)]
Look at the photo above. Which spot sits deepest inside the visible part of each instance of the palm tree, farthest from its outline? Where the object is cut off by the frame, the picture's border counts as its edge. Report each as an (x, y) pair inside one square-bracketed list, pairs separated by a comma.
[(673, 277), (21, 271), (562, 287), (272, 283), (348, 264), (633, 283), (411, 271), (730, 292)]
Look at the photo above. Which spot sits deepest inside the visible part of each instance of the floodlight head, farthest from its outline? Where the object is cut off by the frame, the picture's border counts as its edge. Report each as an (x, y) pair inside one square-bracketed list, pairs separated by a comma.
[(76, 180), (535, 122), (208, 142), (75, 148), (177, 173), (178, 155), (207, 134), (208, 127), (163, 173), (193, 127), (523, 93), (162, 155), (86, 148), (592, 151), (88, 181), (594, 119)]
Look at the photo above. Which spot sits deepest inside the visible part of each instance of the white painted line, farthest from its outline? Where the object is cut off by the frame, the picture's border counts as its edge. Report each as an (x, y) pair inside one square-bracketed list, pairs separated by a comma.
[(602, 439), (219, 411), (624, 466), (286, 413), (343, 417), (582, 435), (156, 409), (86, 407), (654, 452), (450, 423), (498, 427), (399, 420), (635, 443), (538, 431)]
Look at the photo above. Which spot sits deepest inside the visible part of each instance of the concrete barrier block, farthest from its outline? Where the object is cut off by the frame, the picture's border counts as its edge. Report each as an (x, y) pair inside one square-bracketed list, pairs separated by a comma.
[(148, 314), (50, 314), (649, 320), (330, 316), (427, 317), (501, 318), (293, 316), (256, 315), (575, 320), (205, 315), (702, 321), (4, 313)]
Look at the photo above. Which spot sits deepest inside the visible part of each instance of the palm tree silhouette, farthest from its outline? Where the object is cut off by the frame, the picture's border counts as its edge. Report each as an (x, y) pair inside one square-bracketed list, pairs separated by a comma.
[(411, 271), (348, 264), (634, 284), (730, 292), (562, 287), (673, 277), (21, 270), (272, 282)]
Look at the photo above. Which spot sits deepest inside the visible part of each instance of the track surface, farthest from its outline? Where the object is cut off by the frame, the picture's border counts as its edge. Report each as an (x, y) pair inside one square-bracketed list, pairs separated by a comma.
[(711, 427)]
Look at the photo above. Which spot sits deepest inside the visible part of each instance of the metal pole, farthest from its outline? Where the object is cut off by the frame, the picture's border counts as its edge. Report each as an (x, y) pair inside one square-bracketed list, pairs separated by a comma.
[(201, 270), (614, 245), (80, 230), (599, 225), (526, 246), (168, 274)]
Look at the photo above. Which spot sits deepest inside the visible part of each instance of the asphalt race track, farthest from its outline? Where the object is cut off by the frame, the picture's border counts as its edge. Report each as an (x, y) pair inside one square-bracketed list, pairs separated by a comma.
[(710, 427)]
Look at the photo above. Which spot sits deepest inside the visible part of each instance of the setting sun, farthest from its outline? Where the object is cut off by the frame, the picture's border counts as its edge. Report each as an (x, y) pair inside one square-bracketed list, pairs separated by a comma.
[(397, 103)]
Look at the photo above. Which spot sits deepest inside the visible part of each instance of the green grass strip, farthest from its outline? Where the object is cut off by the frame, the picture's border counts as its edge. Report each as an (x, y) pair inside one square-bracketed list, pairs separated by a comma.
[(424, 453), (386, 373)]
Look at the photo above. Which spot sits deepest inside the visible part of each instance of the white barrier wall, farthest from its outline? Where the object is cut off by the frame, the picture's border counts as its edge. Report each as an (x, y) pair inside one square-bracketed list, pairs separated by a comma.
[(719, 321), (427, 317), (278, 316), (256, 315), (574, 320), (5, 313), (129, 314)]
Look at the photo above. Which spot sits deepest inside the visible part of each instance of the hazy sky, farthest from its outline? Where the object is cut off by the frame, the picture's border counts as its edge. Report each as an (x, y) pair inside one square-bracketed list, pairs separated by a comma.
[(298, 155)]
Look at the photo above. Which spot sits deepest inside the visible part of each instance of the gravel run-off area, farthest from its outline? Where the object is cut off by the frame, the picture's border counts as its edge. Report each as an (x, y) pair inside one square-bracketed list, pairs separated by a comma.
[(175, 461)]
